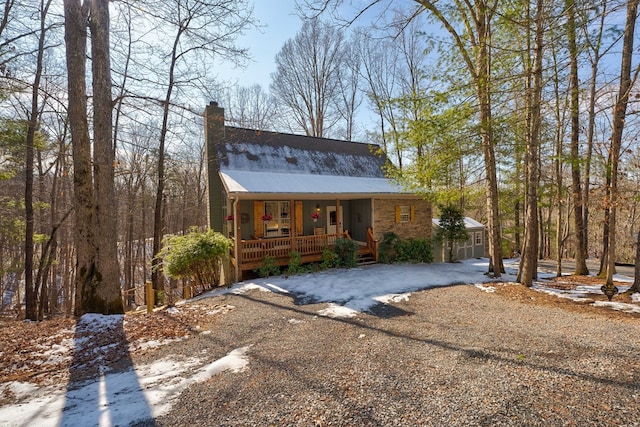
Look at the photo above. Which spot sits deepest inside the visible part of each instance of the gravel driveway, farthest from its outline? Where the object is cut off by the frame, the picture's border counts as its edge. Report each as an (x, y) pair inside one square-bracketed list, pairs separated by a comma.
[(452, 356)]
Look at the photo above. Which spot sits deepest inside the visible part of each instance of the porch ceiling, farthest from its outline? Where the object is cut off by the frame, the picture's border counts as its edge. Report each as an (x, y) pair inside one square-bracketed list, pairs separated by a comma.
[(241, 183)]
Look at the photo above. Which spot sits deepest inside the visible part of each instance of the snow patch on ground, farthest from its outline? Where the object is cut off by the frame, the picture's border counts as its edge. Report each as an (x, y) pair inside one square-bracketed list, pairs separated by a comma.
[(584, 294), (338, 311), (620, 306), (485, 288), (122, 398), (389, 298)]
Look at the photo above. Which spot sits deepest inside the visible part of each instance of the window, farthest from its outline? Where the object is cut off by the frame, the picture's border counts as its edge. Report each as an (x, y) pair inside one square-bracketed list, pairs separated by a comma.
[(405, 213), (280, 221), (478, 238), (333, 217)]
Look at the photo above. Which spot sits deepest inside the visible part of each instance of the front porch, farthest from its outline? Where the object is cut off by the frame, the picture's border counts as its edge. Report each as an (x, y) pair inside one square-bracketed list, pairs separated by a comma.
[(274, 228), (246, 255)]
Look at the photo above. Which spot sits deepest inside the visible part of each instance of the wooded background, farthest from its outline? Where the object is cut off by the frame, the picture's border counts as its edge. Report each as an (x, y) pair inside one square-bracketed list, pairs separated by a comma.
[(522, 113)]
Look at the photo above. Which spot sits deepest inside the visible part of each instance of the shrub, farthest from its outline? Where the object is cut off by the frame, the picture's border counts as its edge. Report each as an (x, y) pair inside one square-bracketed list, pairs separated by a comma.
[(347, 252), (393, 249), (268, 267), (329, 259), (295, 263), (387, 248), (195, 256), (414, 250)]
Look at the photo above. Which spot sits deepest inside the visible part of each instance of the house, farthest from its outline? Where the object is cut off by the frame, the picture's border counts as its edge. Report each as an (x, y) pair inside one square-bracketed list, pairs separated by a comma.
[(473, 247), (274, 193)]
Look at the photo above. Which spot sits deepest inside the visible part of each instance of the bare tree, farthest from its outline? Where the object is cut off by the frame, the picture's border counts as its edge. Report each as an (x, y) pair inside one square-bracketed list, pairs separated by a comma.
[(306, 82), (380, 63), (619, 114), (596, 53), (31, 294), (475, 51), (578, 216), (249, 107), (350, 90), (108, 294), (76, 39), (559, 108), (97, 282), (192, 31)]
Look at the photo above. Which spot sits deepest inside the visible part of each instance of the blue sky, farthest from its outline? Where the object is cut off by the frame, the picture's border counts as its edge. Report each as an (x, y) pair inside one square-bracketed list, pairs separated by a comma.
[(278, 23)]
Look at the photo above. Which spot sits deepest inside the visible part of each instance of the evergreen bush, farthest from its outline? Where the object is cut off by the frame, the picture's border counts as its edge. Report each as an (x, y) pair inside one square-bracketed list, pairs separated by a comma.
[(195, 256), (329, 259), (295, 263), (393, 249), (414, 250), (268, 267), (387, 248), (347, 251)]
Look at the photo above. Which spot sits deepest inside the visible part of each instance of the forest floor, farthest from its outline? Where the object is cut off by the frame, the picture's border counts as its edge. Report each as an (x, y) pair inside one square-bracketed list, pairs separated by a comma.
[(46, 358), (23, 357)]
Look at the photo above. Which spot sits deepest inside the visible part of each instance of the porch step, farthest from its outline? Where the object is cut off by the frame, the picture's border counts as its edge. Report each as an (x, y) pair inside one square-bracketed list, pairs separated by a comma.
[(366, 258)]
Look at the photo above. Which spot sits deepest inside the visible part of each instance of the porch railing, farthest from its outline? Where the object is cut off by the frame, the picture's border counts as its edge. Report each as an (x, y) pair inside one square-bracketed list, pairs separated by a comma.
[(280, 247), (372, 244)]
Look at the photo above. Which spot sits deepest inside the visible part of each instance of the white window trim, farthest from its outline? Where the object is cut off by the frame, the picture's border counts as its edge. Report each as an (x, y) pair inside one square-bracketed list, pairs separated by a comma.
[(279, 226), (405, 214), (478, 238)]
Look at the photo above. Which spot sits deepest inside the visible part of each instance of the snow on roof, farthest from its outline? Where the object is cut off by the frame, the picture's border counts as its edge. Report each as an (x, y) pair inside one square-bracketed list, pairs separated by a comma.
[(251, 150), (253, 161), (468, 223)]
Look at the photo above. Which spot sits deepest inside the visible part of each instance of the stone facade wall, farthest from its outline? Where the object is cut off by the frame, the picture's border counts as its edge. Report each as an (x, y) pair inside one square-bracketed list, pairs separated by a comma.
[(384, 218)]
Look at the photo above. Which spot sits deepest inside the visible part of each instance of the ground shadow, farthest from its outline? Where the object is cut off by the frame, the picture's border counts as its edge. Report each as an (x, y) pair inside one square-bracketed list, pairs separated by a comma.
[(387, 311), (103, 388), (472, 353)]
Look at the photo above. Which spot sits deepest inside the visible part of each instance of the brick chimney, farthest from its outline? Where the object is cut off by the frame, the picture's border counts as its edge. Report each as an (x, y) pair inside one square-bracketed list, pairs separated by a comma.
[(213, 135)]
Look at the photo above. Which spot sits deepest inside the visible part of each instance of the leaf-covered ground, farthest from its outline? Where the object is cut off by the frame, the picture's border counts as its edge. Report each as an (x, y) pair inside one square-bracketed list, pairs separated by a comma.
[(58, 351), (45, 353)]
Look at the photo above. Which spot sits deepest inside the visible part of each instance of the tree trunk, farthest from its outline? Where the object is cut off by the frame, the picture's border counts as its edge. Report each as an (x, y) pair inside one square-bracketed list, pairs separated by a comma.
[(619, 115), (636, 276), (591, 125), (483, 89), (578, 218), (31, 295), (529, 266), (108, 297), (159, 218), (478, 61), (558, 167), (75, 41)]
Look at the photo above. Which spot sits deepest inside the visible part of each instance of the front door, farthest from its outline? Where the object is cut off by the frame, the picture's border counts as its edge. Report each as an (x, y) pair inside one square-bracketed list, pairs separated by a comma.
[(334, 219)]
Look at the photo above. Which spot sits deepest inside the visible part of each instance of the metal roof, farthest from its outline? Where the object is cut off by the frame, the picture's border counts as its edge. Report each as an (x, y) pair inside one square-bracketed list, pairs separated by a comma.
[(468, 223)]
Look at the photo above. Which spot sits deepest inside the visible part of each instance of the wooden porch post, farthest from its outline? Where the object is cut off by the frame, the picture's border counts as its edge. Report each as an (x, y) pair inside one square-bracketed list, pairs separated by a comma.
[(292, 226), (236, 241), (339, 227)]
